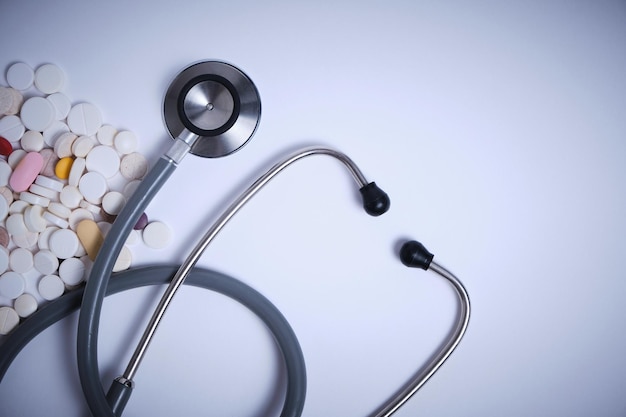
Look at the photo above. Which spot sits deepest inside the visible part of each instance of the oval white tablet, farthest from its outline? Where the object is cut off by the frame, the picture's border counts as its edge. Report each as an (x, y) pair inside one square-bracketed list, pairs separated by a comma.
[(104, 160), (12, 285), (50, 287), (21, 260), (92, 186), (84, 119), (9, 319), (25, 305), (20, 76), (45, 262), (49, 78), (63, 243), (157, 235), (11, 128), (61, 104), (37, 114), (72, 271)]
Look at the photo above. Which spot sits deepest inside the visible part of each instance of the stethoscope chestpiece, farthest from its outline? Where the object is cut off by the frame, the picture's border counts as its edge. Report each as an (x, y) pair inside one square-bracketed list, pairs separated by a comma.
[(215, 101)]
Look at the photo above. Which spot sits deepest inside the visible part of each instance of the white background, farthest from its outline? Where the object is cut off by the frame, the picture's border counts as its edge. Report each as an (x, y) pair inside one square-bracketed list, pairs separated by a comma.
[(497, 128)]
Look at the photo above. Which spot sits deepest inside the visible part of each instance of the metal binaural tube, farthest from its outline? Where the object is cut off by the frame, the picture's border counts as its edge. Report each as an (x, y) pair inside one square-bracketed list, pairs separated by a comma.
[(195, 254)]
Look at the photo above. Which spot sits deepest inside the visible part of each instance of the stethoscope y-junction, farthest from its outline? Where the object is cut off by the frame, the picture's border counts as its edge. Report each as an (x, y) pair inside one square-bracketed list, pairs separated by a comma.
[(211, 109)]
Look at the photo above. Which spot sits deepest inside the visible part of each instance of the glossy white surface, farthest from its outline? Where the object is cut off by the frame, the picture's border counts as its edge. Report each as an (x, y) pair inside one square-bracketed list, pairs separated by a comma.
[(497, 128)]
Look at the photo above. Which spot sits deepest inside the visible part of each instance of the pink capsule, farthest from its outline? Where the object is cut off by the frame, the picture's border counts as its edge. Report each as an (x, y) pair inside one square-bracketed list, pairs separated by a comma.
[(26, 172)]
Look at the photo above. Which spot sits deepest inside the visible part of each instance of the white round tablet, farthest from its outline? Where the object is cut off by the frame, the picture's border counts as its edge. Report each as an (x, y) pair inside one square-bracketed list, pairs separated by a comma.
[(4, 259), (21, 260), (106, 134), (124, 260), (32, 141), (61, 104), (72, 271), (78, 216), (27, 240), (25, 305), (12, 285), (104, 160), (9, 319), (44, 236), (92, 186), (51, 287), (112, 202), (125, 142), (37, 114), (133, 166), (11, 128), (49, 78), (20, 76), (70, 196), (84, 119), (54, 132), (82, 146), (63, 243), (157, 235), (45, 262)]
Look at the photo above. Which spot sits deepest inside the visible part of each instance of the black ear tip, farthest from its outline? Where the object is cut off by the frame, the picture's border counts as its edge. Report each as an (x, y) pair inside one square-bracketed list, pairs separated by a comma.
[(375, 200), (414, 254)]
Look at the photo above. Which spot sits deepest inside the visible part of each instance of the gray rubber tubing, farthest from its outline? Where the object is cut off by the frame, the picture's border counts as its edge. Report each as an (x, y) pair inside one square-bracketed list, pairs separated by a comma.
[(203, 278)]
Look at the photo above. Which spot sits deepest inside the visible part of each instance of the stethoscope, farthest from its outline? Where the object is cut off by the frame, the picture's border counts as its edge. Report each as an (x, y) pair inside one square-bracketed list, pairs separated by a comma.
[(211, 109)]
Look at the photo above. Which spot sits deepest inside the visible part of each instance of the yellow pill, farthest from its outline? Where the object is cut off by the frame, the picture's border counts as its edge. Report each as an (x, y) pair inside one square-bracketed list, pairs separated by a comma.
[(63, 167), (90, 236)]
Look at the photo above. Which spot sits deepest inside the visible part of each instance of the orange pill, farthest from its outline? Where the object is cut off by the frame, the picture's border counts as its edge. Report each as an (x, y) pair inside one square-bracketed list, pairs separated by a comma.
[(63, 167), (90, 236)]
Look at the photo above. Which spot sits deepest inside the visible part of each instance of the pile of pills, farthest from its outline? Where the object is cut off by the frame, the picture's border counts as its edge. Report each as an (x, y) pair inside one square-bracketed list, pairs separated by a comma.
[(64, 176)]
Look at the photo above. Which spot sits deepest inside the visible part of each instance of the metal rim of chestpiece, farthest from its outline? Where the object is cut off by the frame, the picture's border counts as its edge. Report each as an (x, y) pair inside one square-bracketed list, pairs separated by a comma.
[(215, 101)]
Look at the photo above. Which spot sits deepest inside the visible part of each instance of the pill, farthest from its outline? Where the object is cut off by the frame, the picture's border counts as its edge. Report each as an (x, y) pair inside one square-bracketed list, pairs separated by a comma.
[(4, 237), (18, 206), (50, 183), (25, 305), (4, 259), (21, 260), (156, 235), (133, 238), (11, 128), (104, 160), (112, 202), (9, 319), (58, 209), (77, 171), (4, 208), (33, 219), (63, 167), (6, 193), (32, 141), (5, 173), (78, 216), (43, 192), (82, 146), (20, 76), (130, 188), (133, 166), (45, 262), (63, 243), (15, 225), (15, 100), (125, 142), (90, 237), (34, 199), (49, 162), (6, 100), (50, 287), (106, 135), (142, 222), (37, 113), (70, 196), (61, 104), (124, 260), (5, 147), (26, 171), (84, 119), (72, 271), (44, 236), (27, 240), (12, 284), (88, 206), (93, 186), (54, 132), (56, 220), (49, 78), (63, 144)]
